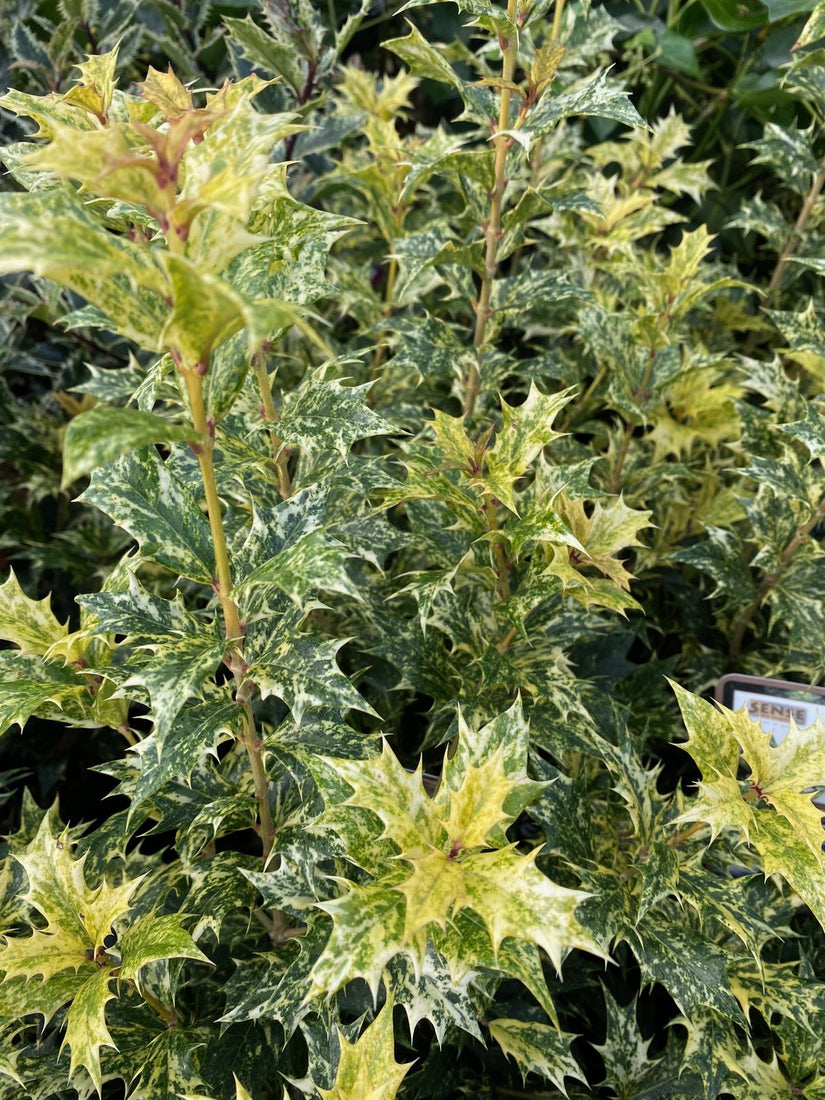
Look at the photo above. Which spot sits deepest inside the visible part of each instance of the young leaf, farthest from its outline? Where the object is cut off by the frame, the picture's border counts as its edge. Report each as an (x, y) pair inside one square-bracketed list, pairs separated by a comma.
[(367, 1069), (454, 855), (787, 833)]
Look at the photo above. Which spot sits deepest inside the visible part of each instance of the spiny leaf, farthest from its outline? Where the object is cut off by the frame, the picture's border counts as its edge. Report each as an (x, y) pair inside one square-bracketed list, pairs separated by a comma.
[(141, 495), (299, 668), (443, 867), (610, 528), (32, 685), (787, 831), (367, 1069), (94, 91), (525, 430), (151, 939), (51, 234), (325, 415), (537, 1048), (28, 624), (103, 433), (86, 1030)]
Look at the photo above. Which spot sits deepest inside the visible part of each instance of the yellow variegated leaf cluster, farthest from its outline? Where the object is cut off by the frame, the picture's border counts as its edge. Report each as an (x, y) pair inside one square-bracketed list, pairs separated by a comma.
[(367, 1069), (762, 791), (66, 957), (435, 857)]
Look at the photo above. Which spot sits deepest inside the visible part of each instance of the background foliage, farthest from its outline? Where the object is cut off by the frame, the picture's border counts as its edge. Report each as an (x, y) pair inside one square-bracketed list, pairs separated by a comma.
[(454, 375)]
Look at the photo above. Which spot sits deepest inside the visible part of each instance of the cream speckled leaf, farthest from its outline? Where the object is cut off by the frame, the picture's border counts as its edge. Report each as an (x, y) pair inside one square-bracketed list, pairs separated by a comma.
[(689, 965), (94, 90), (525, 429), (28, 624), (367, 1069), (152, 938), (52, 234), (86, 1030), (205, 311), (42, 955), (443, 867), (140, 494), (299, 668), (596, 96), (57, 888), (46, 110), (610, 528), (225, 171), (326, 415), (537, 1048), (176, 672), (315, 561), (31, 685), (103, 433), (198, 729), (432, 994)]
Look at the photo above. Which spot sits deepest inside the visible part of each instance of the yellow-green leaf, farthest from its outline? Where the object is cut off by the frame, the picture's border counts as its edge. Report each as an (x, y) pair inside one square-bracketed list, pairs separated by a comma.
[(28, 624), (367, 1069)]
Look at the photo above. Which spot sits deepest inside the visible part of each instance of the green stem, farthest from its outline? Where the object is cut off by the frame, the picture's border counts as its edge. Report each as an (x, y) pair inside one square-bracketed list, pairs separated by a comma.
[(223, 587), (557, 14), (578, 406), (492, 231), (770, 580), (501, 565), (798, 229)]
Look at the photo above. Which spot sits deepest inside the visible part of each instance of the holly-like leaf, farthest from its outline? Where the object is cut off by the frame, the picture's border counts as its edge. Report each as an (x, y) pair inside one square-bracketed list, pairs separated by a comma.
[(597, 96), (86, 1030), (93, 92), (28, 624), (199, 728), (78, 918), (52, 234), (32, 685), (453, 856), (151, 939), (103, 433), (433, 994), (367, 1069), (609, 529), (299, 668), (691, 967), (140, 494), (537, 1048), (326, 415), (772, 808), (525, 430), (315, 561), (205, 311), (630, 1072)]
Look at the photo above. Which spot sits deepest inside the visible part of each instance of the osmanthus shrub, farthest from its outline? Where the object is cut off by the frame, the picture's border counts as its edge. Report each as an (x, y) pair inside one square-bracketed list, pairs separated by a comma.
[(398, 422)]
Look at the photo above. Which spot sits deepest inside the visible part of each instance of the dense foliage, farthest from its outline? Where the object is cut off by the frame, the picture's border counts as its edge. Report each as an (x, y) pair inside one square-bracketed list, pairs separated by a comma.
[(428, 394)]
